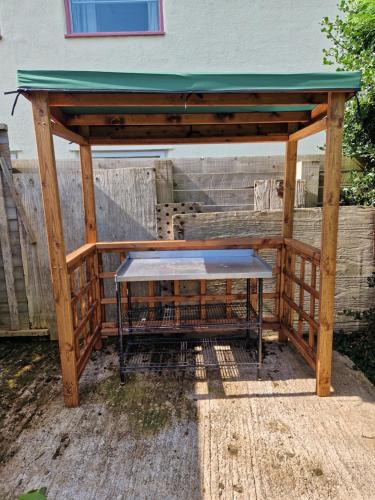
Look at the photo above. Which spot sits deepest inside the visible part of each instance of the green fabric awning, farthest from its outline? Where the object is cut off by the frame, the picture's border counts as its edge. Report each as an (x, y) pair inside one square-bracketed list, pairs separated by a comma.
[(185, 83)]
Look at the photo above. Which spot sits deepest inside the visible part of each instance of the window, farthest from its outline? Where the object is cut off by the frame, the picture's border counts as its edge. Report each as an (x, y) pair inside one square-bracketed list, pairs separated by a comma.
[(113, 17)]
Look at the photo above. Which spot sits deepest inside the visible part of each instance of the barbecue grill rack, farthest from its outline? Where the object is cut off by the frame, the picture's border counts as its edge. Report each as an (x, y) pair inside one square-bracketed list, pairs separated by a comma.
[(197, 354), (168, 318)]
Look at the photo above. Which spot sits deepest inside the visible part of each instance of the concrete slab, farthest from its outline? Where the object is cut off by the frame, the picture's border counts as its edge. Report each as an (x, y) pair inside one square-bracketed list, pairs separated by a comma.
[(225, 435)]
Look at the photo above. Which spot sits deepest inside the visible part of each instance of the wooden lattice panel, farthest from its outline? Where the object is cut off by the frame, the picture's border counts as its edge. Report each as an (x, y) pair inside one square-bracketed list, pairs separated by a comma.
[(165, 213)]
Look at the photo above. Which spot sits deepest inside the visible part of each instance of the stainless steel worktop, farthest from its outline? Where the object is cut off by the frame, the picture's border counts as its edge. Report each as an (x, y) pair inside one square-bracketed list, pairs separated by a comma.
[(192, 265)]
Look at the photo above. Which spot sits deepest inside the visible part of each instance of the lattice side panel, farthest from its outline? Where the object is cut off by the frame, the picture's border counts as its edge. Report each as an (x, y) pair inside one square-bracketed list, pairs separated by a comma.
[(86, 311), (300, 301)]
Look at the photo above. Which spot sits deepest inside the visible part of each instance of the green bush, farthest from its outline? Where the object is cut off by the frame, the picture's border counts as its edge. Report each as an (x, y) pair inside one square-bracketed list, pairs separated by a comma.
[(359, 346), (352, 38)]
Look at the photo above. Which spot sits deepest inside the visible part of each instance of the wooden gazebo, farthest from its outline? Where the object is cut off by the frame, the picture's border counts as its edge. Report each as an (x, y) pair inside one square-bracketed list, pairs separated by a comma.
[(92, 108)]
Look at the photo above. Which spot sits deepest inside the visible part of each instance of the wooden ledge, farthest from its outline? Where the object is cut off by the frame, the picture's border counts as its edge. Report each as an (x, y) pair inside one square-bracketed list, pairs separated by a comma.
[(76, 257)]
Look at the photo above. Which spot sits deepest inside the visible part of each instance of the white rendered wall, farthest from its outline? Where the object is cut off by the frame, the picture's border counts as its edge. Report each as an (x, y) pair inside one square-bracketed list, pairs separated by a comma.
[(201, 36)]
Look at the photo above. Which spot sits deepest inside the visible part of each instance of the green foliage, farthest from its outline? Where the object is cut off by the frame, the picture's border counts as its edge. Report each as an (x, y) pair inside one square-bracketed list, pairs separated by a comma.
[(361, 190), (352, 37), (34, 495), (359, 346)]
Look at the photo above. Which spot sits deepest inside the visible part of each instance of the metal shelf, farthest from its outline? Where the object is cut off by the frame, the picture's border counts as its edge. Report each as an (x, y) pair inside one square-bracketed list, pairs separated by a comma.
[(190, 317), (157, 354)]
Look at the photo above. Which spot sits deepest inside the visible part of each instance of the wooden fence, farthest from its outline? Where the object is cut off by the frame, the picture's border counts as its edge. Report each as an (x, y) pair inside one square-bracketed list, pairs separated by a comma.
[(14, 313), (355, 256), (128, 192)]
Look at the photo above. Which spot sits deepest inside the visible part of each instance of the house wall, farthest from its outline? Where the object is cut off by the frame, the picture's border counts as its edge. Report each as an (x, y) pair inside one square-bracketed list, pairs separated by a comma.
[(200, 36)]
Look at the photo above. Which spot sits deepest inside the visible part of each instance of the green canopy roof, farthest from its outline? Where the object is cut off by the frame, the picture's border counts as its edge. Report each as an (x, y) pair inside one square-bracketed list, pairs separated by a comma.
[(82, 81)]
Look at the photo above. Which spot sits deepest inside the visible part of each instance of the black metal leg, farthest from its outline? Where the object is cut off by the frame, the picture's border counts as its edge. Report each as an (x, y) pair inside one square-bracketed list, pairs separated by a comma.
[(130, 317), (120, 333), (159, 311), (248, 315), (260, 326)]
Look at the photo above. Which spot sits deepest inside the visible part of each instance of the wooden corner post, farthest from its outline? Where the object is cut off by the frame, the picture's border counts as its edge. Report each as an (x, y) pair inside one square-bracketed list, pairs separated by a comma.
[(290, 172), (88, 197), (331, 199), (88, 193), (56, 246)]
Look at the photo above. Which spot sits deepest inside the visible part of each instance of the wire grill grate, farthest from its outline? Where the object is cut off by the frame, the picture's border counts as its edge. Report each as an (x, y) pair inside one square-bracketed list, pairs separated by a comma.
[(233, 315), (155, 355)]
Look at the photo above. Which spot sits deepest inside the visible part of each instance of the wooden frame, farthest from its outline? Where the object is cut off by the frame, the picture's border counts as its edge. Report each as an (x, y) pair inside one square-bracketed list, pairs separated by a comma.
[(56, 246), (77, 279)]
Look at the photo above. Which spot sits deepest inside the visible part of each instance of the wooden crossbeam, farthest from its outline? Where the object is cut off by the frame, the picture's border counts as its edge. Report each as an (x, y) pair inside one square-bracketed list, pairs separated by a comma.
[(58, 115), (189, 131), (185, 99), (311, 129), (188, 140), (187, 119), (241, 242), (63, 132), (32, 332), (189, 134), (319, 111)]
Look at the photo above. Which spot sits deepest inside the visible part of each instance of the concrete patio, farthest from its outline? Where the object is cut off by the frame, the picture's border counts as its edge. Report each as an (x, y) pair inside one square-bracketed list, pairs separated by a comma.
[(226, 435)]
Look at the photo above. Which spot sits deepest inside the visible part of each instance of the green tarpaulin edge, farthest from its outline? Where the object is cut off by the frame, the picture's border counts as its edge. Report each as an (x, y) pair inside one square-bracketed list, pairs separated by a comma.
[(184, 82)]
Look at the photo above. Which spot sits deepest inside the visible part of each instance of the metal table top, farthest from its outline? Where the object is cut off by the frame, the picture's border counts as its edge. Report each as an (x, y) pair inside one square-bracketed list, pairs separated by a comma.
[(192, 265)]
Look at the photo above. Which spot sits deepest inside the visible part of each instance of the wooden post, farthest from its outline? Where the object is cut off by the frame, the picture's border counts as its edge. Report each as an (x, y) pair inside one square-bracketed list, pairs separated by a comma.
[(289, 188), (88, 193), (290, 170), (88, 198), (56, 246), (331, 198)]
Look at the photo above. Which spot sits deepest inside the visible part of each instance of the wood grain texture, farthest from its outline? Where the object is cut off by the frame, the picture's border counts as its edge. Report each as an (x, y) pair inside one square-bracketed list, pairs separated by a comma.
[(216, 196), (7, 262), (164, 181), (289, 186), (6, 172), (180, 99), (330, 221), (125, 208), (88, 193), (311, 129), (268, 194), (10, 221), (56, 247)]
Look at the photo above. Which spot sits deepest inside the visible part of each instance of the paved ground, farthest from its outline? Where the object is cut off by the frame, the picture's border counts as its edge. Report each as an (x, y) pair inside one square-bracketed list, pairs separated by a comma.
[(228, 436)]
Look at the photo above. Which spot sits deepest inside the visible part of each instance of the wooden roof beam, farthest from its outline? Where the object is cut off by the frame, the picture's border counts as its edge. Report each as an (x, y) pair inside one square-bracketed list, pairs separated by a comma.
[(63, 132), (134, 141), (311, 129), (188, 119), (95, 99), (319, 111)]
